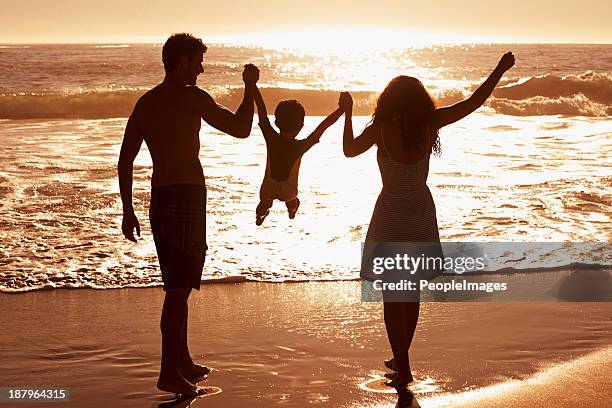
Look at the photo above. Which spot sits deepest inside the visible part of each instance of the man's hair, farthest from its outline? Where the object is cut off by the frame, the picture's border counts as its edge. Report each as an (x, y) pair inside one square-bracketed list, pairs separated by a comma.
[(178, 45), (289, 115)]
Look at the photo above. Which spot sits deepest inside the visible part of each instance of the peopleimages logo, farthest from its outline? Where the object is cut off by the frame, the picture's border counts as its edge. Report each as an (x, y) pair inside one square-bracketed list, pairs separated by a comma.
[(411, 264), (486, 271), (453, 285)]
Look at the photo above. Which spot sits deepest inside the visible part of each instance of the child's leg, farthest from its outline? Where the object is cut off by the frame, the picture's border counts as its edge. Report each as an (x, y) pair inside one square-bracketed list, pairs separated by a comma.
[(262, 210), (292, 207)]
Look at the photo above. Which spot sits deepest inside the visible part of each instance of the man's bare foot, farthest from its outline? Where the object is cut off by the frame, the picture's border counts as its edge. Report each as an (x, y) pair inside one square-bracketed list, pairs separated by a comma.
[(177, 385), (194, 372)]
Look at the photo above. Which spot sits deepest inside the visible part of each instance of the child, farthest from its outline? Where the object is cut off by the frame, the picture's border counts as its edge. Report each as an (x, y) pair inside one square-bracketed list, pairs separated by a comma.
[(284, 153)]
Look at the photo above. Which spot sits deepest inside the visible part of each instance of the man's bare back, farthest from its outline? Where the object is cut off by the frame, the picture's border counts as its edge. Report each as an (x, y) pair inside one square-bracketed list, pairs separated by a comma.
[(170, 126)]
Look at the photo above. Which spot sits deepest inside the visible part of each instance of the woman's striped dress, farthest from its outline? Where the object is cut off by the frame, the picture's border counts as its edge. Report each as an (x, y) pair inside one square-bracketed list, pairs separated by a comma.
[(404, 213), (405, 210)]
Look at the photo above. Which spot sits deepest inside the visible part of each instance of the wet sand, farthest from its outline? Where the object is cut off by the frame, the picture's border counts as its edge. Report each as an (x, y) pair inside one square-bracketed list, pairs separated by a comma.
[(302, 344), (584, 382)]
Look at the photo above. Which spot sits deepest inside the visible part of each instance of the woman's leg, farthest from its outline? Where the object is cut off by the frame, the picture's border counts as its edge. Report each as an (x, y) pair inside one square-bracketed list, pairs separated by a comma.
[(412, 318), (401, 319), (395, 323)]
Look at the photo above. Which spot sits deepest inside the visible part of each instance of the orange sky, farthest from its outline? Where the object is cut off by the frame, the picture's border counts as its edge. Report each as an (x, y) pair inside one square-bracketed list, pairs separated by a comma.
[(585, 21)]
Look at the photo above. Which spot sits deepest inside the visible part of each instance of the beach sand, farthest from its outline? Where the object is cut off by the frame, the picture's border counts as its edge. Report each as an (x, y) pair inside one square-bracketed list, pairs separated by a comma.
[(584, 382), (301, 344)]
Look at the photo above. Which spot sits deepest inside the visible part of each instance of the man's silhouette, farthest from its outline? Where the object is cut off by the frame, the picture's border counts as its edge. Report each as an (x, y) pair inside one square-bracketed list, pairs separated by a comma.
[(168, 119)]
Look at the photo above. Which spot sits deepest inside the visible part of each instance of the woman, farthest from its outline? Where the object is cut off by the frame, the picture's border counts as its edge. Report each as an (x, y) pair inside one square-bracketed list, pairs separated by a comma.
[(405, 128)]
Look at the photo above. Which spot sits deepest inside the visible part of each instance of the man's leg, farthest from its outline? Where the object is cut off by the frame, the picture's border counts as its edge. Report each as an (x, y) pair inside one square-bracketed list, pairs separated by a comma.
[(185, 360), (172, 324), (188, 369)]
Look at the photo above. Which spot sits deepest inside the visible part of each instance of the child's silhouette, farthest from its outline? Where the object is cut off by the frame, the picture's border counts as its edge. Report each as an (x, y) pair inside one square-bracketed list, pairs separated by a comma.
[(285, 153)]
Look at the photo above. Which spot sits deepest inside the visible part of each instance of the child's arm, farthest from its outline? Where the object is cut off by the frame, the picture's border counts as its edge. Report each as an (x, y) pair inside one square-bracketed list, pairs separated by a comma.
[(315, 136), (450, 114), (327, 122), (262, 112), (350, 145)]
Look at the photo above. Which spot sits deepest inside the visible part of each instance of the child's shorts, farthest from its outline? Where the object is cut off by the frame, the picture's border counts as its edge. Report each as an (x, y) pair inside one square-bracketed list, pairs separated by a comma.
[(278, 190)]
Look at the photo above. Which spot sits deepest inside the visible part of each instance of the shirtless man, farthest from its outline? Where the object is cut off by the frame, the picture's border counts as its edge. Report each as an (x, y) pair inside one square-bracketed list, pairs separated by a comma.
[(168, 119)]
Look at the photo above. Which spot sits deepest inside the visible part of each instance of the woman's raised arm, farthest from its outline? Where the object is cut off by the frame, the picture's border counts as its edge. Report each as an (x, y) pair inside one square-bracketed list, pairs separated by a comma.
[(354, 146), (450, 114)]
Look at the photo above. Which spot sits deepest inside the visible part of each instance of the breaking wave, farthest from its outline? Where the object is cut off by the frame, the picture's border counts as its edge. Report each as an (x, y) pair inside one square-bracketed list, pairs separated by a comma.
[(587, 94), (72, 105)]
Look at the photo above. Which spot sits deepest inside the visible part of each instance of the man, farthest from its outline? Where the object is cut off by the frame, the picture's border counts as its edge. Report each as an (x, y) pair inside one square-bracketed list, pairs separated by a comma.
[(168, 119)]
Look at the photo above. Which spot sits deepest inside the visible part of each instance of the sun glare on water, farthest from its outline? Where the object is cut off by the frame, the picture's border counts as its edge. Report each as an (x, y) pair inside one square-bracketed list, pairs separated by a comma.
[(354, 59), (342, 40)]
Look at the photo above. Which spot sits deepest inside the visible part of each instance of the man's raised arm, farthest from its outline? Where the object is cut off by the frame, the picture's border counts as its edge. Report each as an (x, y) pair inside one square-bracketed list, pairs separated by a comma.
[(235, 124)]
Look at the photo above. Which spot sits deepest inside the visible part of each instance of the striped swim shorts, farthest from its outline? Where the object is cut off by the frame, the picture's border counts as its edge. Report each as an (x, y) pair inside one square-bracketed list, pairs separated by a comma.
[(178, 221)]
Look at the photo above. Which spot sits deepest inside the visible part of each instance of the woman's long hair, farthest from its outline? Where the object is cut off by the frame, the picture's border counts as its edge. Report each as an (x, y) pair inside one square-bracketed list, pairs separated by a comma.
[(406, 102)]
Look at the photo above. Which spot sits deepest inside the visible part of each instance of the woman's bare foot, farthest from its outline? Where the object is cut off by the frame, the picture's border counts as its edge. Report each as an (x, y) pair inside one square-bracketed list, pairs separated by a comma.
[(400, 380), (194, 372), (390, 364), (176, 384)]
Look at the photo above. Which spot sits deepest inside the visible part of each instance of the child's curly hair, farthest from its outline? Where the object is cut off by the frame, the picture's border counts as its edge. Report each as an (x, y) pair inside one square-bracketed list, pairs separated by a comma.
[(289, 115)]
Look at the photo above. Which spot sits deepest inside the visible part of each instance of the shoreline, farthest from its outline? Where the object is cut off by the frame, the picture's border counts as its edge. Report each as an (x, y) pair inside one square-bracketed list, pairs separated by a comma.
[(584, 283), (276, 344)]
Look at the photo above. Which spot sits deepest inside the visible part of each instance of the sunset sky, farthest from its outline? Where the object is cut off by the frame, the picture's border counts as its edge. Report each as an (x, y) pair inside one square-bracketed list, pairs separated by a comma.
[(585, 21)]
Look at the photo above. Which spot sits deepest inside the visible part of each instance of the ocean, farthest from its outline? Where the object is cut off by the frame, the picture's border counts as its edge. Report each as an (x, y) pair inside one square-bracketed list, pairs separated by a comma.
[(532, 165)]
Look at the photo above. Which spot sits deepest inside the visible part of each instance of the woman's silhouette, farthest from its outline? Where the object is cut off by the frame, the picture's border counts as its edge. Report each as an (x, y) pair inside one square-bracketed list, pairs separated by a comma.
[(405, 128)]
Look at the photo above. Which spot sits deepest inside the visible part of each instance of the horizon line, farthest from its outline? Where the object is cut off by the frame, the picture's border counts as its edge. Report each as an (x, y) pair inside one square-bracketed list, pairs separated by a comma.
[(321, 38), (255, 43)]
